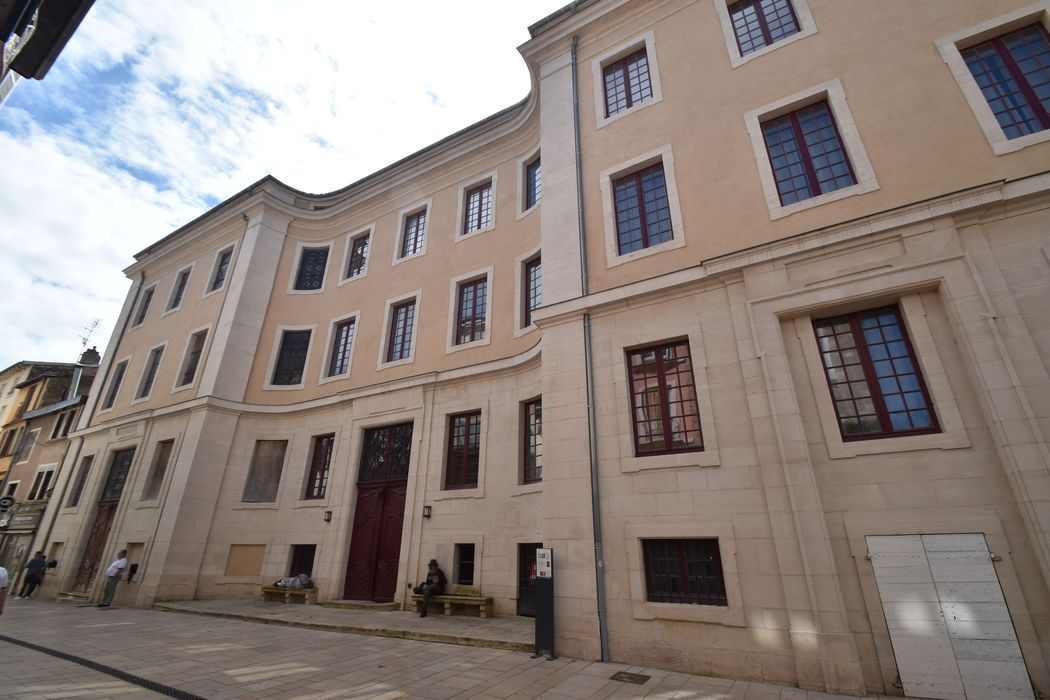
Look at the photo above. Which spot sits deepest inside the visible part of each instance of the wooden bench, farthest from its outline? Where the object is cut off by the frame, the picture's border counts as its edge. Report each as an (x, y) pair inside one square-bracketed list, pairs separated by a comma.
[(304, 596), (483, 604)]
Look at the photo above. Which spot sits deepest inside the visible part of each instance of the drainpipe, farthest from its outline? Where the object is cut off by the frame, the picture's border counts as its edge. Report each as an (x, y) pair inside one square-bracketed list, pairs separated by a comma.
[(592, 429)]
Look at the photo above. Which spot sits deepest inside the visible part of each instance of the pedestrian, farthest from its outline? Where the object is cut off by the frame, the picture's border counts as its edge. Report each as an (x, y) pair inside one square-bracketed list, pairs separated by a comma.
[(113, 574), (3, 588), (34, 575), (433, 585)]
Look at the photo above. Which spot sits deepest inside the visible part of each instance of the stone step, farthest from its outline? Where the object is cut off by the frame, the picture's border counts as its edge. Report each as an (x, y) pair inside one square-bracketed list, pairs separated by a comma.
[(360, 605)]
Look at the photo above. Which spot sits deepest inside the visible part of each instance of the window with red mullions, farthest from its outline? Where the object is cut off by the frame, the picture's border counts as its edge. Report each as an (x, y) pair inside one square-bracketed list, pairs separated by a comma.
[(759, 23), (666, 416), (399, 344), (358, 257), (643, 215), (1013, 72), (320, 462), (478, 208), (875, 381), (470, 321), (464, 450), (627, 82), (806, 153), (533, 293), (684, 571), (415, 230)]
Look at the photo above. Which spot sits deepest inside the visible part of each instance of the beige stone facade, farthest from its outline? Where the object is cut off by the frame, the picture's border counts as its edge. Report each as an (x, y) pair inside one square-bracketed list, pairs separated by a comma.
[(943, 223)]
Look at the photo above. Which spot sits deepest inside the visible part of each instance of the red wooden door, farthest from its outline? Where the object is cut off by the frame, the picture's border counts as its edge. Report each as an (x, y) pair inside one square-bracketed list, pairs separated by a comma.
[(388, 551), (375, 545)]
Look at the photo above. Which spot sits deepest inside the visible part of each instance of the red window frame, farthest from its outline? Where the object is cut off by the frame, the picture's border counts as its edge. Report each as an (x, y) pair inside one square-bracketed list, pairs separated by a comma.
[(464, 450), (533, 183), (320, 465), (533, 296), (399, 340), (644, 190), (762, 10), (684, 388), (358, 256), (477, 208), (342, 344), (856, 374), (685, 571), (532, 444), (414, 234), (470, 313), (638, 62)]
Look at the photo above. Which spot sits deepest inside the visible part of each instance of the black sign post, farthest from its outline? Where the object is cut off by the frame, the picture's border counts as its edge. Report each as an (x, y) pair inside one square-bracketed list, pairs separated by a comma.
[(544, 604)]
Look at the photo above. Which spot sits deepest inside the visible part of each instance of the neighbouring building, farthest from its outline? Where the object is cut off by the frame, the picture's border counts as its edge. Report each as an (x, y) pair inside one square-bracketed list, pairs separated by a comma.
[(32, 35), (743, 311)]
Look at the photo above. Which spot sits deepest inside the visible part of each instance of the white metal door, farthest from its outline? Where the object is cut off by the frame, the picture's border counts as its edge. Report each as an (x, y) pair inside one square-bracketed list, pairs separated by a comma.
[(950, 629)]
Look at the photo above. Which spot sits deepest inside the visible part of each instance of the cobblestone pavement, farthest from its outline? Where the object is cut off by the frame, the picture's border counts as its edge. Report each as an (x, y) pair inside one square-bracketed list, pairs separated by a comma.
[(220, 658)]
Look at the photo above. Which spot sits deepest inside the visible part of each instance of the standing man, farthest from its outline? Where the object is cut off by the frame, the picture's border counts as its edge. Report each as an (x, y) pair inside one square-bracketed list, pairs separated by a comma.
[(3, 588), (34, 575), (434, 585), (113, 574)]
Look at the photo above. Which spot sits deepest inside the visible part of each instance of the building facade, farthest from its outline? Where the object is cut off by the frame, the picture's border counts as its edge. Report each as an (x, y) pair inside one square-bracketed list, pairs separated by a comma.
[(742, 312)]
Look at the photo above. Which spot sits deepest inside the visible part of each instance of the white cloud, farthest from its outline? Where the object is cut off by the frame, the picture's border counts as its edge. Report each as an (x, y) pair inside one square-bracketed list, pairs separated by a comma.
[(155, 110)]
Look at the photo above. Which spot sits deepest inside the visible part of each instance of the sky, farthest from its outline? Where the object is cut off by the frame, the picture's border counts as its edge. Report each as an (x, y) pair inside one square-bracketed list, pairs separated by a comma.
[(157, 111)]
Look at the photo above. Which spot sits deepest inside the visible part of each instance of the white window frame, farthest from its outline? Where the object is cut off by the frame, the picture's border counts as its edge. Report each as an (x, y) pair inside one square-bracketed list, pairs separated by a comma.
[(369, 233), (126, 360), (522, 164), (662, 155), (22, 441), (59, 428), (355, 316), (50, 483), (833, 92), (300, 247), (598, 64), (519, 291), (188, 269), (12, 488), (806, 27), (385, 341), (277, 338), (465, 187), (176, 387), (453, 310), (399, 233), (949, 48), (135, 398), (208, 291), (138, 306)]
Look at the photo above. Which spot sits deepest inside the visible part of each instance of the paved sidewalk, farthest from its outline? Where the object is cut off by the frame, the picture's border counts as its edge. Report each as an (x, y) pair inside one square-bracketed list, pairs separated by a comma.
[(224, 659)]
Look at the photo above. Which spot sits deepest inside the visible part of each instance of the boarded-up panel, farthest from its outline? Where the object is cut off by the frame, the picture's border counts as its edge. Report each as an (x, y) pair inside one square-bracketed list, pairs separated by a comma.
[(245, 559), (264, 474)]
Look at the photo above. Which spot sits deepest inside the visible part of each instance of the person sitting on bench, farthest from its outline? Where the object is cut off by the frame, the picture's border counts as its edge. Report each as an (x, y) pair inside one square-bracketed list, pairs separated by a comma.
[(432, 586)]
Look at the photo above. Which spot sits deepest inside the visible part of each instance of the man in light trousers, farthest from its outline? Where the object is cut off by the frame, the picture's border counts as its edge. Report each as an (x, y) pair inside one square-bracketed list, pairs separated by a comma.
[(113, 574)]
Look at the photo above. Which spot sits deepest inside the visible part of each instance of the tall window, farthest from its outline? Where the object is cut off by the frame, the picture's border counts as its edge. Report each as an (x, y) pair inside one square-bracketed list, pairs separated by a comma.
[(477, 212), (643, 216), (144, 304), (79, 482), (25, 447), (386, 453), (874, 378), (464, 555), (222, 265), (684, 571), (312, 265), (533, 296), (464, 450), (157, 470), (39, 489), (342, 344), (63, 424), (1013, 72), (8, 444), (663, 400), (399, 342), (627, 82), (320, 463), (291, 358), (114, 384), (264, 473), (178, 290), (358, 256), (414, 235), (533, 441), (533, 183), (470, 315), (806, 153), (193, 358), (759, 23), (150, 373)]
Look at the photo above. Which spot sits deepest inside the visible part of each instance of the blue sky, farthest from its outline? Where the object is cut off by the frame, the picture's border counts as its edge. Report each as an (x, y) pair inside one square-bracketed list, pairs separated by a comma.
[(157, 111)]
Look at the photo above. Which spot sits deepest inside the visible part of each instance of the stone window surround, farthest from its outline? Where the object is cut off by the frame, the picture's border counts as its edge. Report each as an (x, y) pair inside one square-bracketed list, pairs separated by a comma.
[(522, 166), (645, 41), (24, 439), (53, 467), (138, 306), (257, 435), (466, 187), (426, 206), (447, 410), (369, 232), (299, 248), (185, 358), (527, 486), (208, 291), (169, 309), (519, 291), (806, 27), (303, 454), (145, 367), (662, 155), (949, 48), (74, 475), (330, 339), (272, 365), (731, 615), (453, 310), (106, 389), (168, 470), (389, 305), (833, 92)]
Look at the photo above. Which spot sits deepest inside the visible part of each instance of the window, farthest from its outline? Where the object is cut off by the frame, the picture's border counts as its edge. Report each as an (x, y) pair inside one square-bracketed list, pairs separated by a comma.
[(663, 400), (312, 265), (342, 345), (532, 292), (1013, 73), (192, 359), (63, 424), (402, 321), (465, 564), (533, 441), (626, 82), (117, 476), (320, 462), (533, 183), (470, 315), (358, 256), (464, 450), (149, 375), (12, 488), (806, 153), (222, 265), (414, 236), (684, 571), (386, 453), (178, 289), (874, 378), (291, 358), (25, 447), (264, 473), (477, 208), (79, 482), (39, 491), (759, 23), (643, 216), (114, 384), (9, 442), (157, 470), (144, 303), (302, 559)]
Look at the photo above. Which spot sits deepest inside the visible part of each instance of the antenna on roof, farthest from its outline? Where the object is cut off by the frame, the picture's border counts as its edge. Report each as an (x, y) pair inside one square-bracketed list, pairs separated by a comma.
[(88, 332)]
